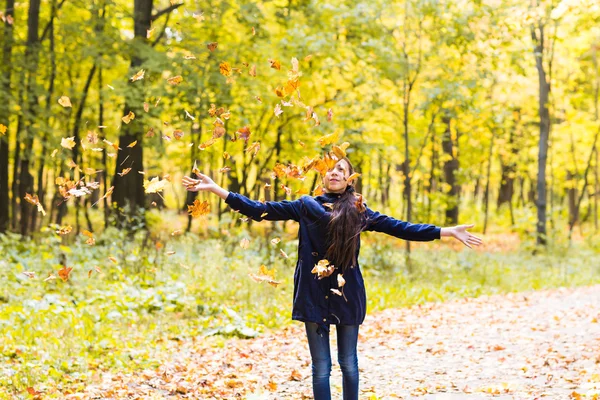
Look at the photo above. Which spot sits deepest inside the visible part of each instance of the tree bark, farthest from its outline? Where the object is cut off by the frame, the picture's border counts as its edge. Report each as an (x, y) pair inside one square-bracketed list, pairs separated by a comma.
[(450, 170), (544, 117), (129, 189), (32, 60), (5, 100)]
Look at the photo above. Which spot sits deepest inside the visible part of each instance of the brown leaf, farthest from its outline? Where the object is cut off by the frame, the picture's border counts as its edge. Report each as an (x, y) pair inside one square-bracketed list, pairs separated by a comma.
[(212, 46)]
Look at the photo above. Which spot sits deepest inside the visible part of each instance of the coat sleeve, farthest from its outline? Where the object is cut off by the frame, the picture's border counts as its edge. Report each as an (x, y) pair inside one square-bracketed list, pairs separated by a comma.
[(401, 229), (269, 210)]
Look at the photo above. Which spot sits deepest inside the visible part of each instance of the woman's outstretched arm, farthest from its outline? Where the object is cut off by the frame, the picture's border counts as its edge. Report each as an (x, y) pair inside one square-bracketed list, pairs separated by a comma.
[(417, 232), (270, 210)]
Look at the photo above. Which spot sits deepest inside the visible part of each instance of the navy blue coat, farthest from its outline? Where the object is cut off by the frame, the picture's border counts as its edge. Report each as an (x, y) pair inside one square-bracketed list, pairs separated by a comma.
[(313, 299)]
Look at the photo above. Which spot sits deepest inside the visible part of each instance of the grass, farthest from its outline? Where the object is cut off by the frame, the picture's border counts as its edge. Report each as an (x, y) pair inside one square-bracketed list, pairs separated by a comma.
[(59, 334)]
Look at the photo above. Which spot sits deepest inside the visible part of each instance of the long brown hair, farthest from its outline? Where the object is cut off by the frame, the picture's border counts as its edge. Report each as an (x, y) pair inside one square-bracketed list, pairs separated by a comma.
[(344, 228)]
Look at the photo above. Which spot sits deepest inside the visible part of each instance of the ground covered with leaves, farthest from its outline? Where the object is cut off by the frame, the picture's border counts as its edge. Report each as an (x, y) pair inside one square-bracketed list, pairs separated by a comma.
[(523, 346)]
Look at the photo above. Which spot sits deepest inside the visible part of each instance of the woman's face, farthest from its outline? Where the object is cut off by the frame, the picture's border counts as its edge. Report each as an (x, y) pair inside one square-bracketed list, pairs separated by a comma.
[(336, 179)]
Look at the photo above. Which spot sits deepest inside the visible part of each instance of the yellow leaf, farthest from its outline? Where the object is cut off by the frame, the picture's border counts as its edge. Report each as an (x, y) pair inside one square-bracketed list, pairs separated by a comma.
[(275, 64), (155, 185), (68, 143), (328, 139), (3, 129), (65, 101), (129, 117), (225, 68), (132, 144)]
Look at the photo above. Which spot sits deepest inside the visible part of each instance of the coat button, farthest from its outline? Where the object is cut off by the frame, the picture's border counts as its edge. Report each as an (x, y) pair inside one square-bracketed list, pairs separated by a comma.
[(324, 319), (326, 297)]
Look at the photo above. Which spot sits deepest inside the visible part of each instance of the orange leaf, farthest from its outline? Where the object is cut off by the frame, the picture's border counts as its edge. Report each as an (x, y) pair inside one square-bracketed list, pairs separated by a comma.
[(275, 64), (64, 272), (199, 208), (212, 46), (225, 68), (175, 80)]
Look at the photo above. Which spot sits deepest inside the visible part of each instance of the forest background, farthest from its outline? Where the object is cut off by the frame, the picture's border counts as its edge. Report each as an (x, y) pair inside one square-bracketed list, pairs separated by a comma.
[(483, 112)]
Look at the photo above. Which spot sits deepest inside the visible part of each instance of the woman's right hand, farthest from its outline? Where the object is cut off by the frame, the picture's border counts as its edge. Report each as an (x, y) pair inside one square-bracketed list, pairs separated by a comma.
[(203, 184)]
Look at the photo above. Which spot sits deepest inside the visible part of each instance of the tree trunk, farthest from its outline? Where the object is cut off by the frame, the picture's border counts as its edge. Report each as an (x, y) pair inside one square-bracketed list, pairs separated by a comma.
[(544, 116), (5, 100), (32, 60), (129, 189), (450, 170)]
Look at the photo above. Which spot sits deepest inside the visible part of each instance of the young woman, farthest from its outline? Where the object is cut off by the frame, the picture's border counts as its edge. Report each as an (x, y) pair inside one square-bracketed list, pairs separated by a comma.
[(331, 292)]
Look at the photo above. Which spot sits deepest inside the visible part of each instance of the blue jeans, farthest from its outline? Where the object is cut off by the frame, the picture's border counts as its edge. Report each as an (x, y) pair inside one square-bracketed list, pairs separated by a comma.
[(347, 336)]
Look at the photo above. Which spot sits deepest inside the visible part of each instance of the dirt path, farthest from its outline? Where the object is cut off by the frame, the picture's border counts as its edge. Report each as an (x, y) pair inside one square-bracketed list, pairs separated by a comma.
[(543, 344)]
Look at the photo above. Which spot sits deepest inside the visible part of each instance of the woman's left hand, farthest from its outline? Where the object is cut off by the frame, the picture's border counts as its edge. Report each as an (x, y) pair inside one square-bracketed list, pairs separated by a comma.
[(460, 233)]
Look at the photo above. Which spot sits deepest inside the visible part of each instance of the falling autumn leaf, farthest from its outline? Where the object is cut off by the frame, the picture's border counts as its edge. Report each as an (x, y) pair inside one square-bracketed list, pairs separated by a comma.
[(212, 46), (29, 274), (129, 117), (323, 269), (275, 241), (199, 208), (64, 230), (178, 134), (36, 202), (68, 143), (283, 253), (175, 80), (124, 172), (254, 148), (132, 144), (265, 275), (65, 101), (278, 111), (352, 177), (244, 243), (138, 76), (3, 129), (244, 133), (155, 185), (64, 272), (275, 64), (225, 68), (252, 71), (328, 139)]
